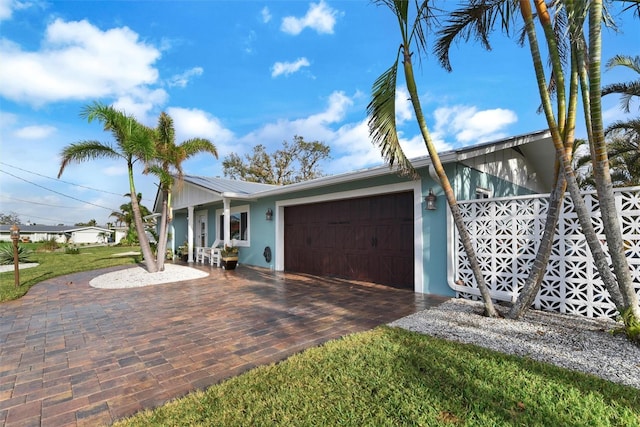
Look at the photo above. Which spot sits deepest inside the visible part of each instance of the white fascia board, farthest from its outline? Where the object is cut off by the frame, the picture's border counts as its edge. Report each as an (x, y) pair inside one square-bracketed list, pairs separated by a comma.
[(515, 141), (238, 196)]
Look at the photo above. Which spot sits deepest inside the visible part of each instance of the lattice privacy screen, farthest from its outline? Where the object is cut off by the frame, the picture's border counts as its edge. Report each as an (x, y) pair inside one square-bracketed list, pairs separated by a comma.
[(506, 233)]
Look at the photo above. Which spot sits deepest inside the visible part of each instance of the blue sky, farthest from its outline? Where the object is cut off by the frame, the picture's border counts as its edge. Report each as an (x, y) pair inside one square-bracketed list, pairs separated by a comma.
[(240, 73)]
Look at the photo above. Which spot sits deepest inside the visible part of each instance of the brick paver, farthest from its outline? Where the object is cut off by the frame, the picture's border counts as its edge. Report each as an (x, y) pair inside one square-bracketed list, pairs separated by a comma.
[(75, 355)]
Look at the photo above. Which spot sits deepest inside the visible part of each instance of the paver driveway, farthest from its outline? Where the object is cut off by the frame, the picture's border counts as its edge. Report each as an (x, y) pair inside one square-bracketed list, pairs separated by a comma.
[(75, 355)]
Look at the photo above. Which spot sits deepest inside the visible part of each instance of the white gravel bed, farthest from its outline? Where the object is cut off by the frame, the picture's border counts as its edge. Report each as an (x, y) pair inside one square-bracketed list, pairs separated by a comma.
[(137, 276), (572, 342), (22, 266)]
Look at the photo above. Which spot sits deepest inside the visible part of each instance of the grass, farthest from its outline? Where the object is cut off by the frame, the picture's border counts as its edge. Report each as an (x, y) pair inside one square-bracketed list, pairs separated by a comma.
[(58, 263), (392, 377)]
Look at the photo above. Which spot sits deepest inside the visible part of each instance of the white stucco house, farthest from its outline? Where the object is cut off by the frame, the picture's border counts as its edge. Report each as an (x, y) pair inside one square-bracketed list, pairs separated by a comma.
[(60, 233)]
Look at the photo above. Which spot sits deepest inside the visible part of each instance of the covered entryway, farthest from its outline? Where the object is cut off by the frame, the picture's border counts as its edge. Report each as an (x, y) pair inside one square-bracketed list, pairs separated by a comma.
[(367, 238)]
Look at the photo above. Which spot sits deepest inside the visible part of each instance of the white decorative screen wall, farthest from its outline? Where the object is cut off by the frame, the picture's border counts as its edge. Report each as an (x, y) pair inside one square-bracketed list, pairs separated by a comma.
[(506, 234)]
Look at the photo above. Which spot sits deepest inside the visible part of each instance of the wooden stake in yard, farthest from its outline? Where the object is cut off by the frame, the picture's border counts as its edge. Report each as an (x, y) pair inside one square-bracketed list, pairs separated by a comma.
[(15, 236)]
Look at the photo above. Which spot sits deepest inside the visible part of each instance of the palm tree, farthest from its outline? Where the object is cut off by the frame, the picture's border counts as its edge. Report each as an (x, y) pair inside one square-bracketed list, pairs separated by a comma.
[(477, 20), (167, 166), (383, 131), (627, 90), (133, 142), (625, 146)]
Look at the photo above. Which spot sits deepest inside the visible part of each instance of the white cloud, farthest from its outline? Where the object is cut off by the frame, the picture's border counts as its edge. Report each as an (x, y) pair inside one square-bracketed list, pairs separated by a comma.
[(194, 123), (352, 149), (119, 170), (8, 6), (6, 9), (140, 103), (350, 143), (469, 125), (78, 61), (287, 68), (266, 14), (404, 109), (34, 132), (181, 80), (319, 17)]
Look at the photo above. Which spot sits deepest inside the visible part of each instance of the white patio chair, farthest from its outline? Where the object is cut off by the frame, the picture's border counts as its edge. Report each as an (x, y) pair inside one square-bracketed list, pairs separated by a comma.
[(213, 254)]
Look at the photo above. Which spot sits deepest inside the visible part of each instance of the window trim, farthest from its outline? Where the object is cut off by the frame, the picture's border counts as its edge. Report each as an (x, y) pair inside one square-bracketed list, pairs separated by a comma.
[(483, 193), (235, 210)]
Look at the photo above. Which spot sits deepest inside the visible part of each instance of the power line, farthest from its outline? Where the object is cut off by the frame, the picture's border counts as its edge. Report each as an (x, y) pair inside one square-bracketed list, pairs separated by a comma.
[(57, 221), (36, 203), (67, 182), (60, 180), (57, 192)]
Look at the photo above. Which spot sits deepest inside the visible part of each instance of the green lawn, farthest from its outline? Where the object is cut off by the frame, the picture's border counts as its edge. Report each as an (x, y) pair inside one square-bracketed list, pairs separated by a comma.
[(392, 377), (53, 264)]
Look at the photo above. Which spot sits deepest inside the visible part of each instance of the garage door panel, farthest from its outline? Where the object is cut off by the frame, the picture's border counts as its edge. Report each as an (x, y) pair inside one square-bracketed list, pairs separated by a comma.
[(369, 239)]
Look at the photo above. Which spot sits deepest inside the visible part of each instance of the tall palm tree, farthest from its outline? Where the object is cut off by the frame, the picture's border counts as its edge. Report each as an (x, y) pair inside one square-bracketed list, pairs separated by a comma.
[(478, 19), (133, 142), (167, 166), (383, 131)]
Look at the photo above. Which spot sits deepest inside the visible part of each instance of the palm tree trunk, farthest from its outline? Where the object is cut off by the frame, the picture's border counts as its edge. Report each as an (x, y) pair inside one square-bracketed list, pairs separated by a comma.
[(162, 233), (489, 309), (601, 173), (539, 267), (145, 247), (536, 274), (583, 214)]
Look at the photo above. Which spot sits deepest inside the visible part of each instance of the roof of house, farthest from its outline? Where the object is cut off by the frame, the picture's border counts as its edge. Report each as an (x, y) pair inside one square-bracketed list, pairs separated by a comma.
[(533, 145), (225, 185), (51, 229)]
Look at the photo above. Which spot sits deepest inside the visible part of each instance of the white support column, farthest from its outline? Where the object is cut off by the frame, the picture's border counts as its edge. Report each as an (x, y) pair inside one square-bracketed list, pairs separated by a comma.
[(173, 241), (227, 221), (190, 219)]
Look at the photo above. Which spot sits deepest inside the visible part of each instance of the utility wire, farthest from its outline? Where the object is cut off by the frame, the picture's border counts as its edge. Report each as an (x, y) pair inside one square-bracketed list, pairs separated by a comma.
[(60, 180), (57, 221), (36, 203), (57, 192)]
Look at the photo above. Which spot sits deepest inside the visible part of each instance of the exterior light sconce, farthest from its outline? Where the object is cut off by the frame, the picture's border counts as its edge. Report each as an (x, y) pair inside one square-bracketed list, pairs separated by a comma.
[(15, 236), (430, 201), (269, 214)]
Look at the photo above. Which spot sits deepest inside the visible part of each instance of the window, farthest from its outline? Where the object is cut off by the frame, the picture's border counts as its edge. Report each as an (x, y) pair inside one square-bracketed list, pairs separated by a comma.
[(239, 224), (483, 193)]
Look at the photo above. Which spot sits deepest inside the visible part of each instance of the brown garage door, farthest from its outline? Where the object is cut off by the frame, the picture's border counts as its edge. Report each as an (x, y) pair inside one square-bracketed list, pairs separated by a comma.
[(369, 239)]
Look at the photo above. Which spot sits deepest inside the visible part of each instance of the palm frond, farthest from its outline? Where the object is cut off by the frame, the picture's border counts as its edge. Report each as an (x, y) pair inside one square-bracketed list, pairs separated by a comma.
[(475, 20), (382, 121), (83, 151)]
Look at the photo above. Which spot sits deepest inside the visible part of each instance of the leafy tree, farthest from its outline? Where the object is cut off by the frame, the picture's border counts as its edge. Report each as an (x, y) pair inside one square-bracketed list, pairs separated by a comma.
[(294, 162), (10, 218), (134, 142), (167, 166), (90, 223)]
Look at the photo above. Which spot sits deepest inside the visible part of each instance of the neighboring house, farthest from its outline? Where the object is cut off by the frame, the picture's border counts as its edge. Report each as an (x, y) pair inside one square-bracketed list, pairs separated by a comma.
[(370, 225), (59, 233)]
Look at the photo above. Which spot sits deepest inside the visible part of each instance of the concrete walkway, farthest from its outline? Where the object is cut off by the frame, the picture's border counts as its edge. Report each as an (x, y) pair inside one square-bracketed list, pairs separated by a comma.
[(75, 355)]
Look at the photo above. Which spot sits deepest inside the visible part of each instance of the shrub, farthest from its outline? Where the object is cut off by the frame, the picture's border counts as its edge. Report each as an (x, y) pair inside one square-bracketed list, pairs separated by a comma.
[(71, 250), (6, 254), (50, 245)]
